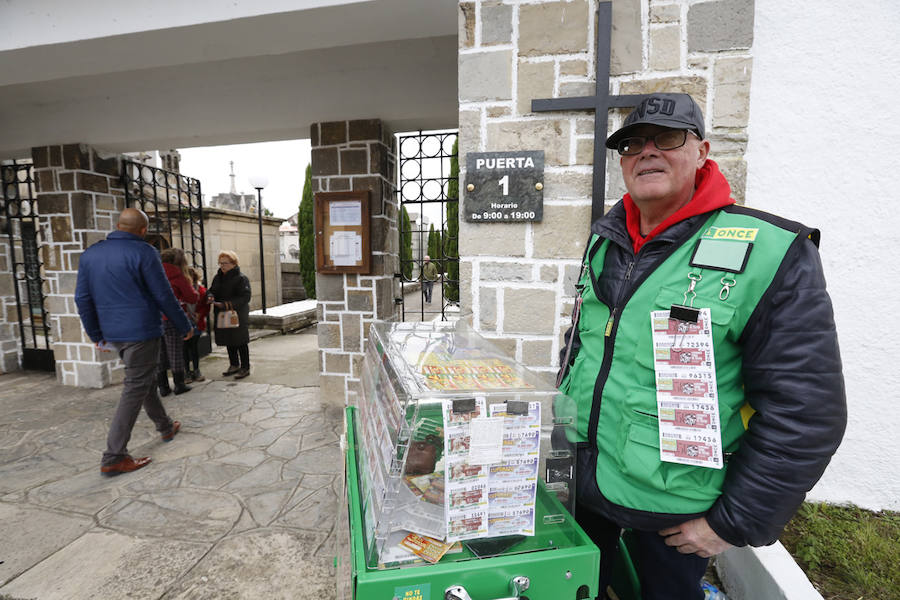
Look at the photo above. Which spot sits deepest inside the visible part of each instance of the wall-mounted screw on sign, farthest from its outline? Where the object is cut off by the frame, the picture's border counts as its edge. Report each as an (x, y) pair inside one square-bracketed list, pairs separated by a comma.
[(504, 186)]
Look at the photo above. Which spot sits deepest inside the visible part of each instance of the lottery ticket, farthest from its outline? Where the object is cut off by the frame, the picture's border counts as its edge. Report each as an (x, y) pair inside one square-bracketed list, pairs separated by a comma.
[(517, 521), (509, 495), (425, 547)]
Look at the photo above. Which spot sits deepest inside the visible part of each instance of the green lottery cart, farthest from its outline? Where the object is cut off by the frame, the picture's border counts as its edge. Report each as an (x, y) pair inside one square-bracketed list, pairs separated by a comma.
[(459, 476)]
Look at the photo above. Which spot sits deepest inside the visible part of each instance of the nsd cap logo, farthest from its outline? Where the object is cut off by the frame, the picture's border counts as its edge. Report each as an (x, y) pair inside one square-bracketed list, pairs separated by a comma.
[(743, 234), (651, 106)]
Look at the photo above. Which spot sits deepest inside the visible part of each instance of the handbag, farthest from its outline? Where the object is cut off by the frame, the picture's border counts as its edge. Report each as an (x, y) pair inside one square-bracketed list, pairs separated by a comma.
[(228, 318)]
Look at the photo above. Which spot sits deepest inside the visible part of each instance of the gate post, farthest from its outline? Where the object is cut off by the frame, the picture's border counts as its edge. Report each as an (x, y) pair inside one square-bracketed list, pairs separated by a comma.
[(79, 197), (9, 345), (355, 155)]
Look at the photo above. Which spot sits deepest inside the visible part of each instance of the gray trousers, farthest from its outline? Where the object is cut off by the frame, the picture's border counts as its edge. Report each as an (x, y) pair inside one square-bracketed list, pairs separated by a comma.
[(141, 361)]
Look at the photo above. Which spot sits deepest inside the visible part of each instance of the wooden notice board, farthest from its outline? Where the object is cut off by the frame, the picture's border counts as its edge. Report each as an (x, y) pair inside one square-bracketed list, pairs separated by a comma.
[(343, 243)]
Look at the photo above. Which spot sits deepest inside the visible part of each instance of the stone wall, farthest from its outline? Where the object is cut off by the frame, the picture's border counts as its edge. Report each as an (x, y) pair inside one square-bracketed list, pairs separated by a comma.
[(512, 52), (79, 198), (355, 155), (239, 232), (9, 334), (292, 289)]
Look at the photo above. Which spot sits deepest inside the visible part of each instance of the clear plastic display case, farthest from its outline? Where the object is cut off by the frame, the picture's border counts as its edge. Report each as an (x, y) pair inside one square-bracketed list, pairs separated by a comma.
[(458, 442)]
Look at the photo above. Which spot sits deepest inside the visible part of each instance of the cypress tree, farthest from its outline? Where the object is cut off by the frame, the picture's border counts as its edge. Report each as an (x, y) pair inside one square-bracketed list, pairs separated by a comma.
[(432, 243), (406, 257), (307, 239)]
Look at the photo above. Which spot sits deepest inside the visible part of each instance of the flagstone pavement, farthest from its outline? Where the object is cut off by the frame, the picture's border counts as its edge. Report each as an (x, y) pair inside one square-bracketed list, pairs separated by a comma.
[(241, 504)]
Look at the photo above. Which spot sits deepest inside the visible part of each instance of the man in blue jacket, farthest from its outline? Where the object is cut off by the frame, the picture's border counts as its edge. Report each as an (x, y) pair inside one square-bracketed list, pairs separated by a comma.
[(120, 293)]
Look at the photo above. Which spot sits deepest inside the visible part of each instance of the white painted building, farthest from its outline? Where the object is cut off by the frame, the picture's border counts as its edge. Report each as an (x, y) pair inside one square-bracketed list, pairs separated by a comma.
[(823, 119), (289, 240)]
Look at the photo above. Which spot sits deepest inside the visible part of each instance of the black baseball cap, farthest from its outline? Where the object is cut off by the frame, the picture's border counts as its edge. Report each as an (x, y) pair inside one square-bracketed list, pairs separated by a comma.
[(678, 111)]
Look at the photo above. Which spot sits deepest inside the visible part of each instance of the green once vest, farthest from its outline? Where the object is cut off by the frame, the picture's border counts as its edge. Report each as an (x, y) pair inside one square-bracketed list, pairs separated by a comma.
[(629, 470)]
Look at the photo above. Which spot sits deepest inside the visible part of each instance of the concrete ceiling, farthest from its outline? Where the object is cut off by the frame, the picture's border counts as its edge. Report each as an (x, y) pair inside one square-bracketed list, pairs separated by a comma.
[(249, 79)]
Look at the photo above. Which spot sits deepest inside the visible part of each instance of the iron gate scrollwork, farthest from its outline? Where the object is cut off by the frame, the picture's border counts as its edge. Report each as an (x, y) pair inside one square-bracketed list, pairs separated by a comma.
[(428, 197), (174, 204), (20, 223)]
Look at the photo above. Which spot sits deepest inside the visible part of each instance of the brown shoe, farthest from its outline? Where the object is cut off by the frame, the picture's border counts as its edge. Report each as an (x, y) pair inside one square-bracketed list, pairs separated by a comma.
[(231, 370), (126, 465), (241, 373), (167, 437)]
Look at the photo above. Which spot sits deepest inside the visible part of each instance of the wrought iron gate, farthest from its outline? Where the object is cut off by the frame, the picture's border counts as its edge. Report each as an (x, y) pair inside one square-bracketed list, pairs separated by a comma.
[(20, 223), (175, 208), (174, 205), (427, 192)]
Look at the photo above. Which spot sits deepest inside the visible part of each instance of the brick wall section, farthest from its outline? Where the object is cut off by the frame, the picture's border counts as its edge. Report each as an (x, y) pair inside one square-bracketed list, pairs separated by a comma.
[(79, 198), (519, 278), (355, 155)]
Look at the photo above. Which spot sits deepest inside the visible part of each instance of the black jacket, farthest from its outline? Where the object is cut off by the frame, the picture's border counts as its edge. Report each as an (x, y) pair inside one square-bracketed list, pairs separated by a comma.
[(792, 378), (233, 287)]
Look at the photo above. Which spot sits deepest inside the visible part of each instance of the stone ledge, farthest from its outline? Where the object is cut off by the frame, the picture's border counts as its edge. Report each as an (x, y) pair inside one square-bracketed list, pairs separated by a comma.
[(285, 318), (766, 573)]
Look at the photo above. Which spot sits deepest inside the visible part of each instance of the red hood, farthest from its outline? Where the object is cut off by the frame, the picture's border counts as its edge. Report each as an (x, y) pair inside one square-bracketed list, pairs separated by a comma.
[(711, 191), (172, 272), (181, 285)]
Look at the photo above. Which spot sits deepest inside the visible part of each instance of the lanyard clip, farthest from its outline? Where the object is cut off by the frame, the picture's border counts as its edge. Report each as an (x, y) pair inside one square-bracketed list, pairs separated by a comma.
[(694, 277), (727, 284)]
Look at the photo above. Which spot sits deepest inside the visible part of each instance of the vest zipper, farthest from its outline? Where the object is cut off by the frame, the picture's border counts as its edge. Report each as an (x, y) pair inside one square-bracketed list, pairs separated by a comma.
[(612, 325), (612, 315)]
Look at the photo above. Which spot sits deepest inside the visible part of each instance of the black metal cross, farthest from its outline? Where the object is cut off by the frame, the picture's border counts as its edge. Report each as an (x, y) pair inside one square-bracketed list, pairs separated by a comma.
[(600, 103)]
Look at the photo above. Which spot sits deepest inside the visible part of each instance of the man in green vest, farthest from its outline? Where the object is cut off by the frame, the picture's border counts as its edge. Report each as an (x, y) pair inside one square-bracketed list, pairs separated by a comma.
[(703, 358)]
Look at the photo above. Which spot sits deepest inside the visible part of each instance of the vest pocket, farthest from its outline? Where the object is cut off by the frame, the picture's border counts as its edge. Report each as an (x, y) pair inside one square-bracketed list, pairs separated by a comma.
[(637, 455), (638, 458), (696, 483)]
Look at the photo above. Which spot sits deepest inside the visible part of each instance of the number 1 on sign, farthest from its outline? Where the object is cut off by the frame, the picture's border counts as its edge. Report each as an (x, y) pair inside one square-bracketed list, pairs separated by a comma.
[(504, 183)]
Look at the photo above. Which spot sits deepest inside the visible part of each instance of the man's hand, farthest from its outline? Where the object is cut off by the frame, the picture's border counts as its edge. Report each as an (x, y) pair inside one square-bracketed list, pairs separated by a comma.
[(695, 537), (103, 346), (189, 335), (210, 298)]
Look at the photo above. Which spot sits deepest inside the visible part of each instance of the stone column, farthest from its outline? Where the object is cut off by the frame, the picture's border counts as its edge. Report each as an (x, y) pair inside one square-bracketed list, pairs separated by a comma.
[(519, 277), (9, 335), (79, 198), (355, 155)]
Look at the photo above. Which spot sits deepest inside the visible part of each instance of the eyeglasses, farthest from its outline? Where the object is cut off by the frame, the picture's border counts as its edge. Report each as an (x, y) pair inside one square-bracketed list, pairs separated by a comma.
[(225, 262), (665, 140)]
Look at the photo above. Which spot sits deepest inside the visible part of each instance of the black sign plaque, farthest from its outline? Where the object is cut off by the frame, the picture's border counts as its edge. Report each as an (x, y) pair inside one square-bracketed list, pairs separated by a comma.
[(504, 186)]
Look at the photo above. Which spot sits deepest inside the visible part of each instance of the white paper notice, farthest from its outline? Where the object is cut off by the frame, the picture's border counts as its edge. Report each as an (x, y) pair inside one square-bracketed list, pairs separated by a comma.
[(345, 248), (486, 445), (347, 212), (687, 398)]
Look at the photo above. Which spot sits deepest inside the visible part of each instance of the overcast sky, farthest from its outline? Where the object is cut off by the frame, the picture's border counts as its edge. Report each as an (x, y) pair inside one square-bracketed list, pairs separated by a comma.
[(284, 163)]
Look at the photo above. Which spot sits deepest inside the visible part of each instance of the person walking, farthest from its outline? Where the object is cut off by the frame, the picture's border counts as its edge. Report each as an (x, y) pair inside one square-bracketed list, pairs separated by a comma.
[(197, 313), (429, 276), (120, 292), (230, 290), (171, 352)]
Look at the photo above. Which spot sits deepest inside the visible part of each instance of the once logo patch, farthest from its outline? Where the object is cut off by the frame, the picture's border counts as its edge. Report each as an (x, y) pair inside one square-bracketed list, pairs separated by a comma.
[(743, 234)]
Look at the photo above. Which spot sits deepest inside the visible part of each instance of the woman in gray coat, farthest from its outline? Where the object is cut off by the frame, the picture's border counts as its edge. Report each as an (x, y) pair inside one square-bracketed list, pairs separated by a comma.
[(231, 286)]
